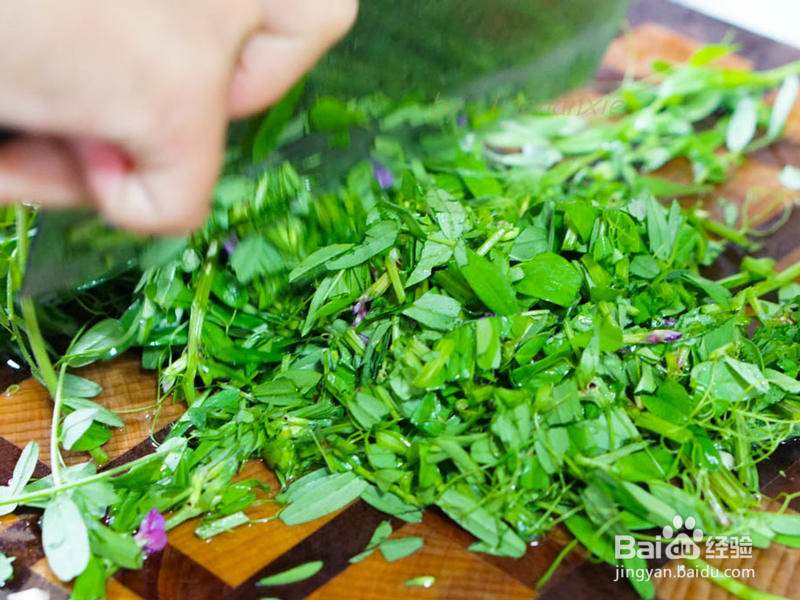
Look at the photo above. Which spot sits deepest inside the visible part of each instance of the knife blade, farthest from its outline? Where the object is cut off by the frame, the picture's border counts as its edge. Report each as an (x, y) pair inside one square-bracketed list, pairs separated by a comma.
[(434, 48)]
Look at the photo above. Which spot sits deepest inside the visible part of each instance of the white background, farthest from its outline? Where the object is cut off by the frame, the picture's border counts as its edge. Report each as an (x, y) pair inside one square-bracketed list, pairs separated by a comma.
[(776, 19)]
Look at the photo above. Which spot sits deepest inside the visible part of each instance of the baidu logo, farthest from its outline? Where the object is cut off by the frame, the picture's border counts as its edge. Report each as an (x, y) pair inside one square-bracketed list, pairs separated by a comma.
[(673, 543)]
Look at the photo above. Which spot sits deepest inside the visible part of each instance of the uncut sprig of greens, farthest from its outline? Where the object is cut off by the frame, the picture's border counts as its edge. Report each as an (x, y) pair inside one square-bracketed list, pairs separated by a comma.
[(516, 330)]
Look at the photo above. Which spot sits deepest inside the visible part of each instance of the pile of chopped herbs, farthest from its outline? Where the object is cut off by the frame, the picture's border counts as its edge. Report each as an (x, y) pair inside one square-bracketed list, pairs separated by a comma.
[(503, 315)]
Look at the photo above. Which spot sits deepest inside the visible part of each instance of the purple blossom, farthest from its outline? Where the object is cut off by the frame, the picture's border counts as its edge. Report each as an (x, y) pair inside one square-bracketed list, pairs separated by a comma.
[(230, 244), (363, 338), (670, 321), (661, 336), (383, 175), (462, 120), (360, 310), (152, 535)]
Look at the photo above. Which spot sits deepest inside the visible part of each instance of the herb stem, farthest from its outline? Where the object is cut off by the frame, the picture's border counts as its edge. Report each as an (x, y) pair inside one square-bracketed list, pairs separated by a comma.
[(493, 239), (556, 563), (71, 485), (12, 318), (783, 278), (55, 455), (13, 280), (21, 232), (43, 363), (196, 318), (722, 230)]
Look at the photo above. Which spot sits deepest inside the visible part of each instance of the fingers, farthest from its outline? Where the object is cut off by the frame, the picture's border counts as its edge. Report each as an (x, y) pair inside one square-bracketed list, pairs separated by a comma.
[(291, 42), (40, 170), (155, 193)]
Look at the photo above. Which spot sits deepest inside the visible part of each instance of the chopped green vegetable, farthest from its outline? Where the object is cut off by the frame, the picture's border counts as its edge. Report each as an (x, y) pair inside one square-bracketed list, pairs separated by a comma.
[(6, 569), (400, 548), (423, 581), (381, 533), (293, 575), (222, 525), (321, 497)]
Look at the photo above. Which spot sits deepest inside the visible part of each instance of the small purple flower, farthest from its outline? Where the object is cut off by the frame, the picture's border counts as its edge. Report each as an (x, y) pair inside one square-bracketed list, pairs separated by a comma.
[(661, 336), (383, 175), (670, 321), (230, 244), (360, 310), (462, 120), (363, 338), (152, 535)]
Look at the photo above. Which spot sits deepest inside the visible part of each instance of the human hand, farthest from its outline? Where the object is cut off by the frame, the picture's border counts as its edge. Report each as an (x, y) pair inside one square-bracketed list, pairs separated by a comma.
[(125, 104)]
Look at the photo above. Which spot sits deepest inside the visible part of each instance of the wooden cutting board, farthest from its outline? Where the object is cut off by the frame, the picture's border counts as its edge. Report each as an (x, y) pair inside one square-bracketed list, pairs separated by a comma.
[(231, 564)]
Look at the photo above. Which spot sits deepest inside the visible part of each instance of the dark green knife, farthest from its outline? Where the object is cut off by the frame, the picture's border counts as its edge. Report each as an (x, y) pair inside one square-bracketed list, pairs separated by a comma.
[(436, 48)]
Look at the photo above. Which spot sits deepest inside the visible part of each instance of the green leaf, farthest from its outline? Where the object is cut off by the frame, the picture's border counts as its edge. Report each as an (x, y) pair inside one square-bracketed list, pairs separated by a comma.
[(91, 584), (293, 575), (391, 504), (75, 425), (255, 256), (435, 311), (582, 217), (367, 410), (433, 255), (719, 380), (79, 387), (710, 53), (379, 237), (331, 114), (490, 284), (64, 538), (23, 471), (451, 216), (400, 548), (750, 373), (317, 259), (587, 534), (662, 227), (221, 525), (321, 497), (742, 126), (94, 437), (531, 241), (661, 188), (644, 266), (101, 413), (381, 534), (472, 516), (6, 569), (785, 524), (162, 250), (550, 277), (118, 547), (104, 339), (717, 292), (783, 381), (783, 104)]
